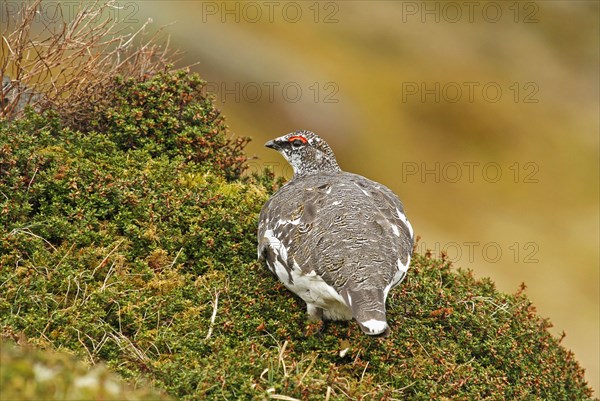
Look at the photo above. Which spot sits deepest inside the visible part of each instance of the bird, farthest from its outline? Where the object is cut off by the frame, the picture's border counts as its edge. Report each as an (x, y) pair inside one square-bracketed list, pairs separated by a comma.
[(336, 239)]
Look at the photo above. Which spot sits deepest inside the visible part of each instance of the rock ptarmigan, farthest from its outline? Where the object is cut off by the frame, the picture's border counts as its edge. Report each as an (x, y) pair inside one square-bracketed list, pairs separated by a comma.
[(337, 240)]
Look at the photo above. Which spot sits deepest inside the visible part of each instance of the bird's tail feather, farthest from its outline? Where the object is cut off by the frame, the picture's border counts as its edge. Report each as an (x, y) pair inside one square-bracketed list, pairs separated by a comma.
[(368, 309)]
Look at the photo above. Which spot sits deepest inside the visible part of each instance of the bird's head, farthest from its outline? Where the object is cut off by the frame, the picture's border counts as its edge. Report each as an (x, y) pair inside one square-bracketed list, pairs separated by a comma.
[(306, 152)]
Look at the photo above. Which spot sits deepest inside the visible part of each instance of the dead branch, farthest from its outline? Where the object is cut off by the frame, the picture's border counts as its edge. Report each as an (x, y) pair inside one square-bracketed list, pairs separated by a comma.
[(69, 64)]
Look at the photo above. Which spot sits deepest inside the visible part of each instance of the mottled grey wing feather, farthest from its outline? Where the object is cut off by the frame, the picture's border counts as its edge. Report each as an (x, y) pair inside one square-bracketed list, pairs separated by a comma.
[(390, 206)]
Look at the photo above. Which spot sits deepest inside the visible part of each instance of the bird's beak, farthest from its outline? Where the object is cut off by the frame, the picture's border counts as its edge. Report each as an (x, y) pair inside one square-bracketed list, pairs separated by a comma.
[(272, 145)]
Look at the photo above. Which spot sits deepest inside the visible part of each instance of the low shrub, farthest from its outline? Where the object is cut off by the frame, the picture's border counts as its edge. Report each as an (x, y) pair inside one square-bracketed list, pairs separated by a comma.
[(130, 240)]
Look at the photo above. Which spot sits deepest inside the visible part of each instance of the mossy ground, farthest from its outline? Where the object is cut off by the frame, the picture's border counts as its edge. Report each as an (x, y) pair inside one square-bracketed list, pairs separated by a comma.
[(29, 373), (131, 242)]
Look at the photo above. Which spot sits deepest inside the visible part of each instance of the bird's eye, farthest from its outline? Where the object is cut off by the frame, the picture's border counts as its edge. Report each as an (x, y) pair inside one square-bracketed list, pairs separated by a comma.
[(297, 141)]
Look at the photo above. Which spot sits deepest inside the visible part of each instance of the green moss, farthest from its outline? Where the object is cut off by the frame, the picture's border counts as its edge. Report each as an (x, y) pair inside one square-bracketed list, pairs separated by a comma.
[(131, 242), (31, 374)]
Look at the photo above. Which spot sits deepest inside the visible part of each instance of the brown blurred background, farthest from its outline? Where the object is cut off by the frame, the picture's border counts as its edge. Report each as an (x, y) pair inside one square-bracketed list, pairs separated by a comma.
[(482, 116)]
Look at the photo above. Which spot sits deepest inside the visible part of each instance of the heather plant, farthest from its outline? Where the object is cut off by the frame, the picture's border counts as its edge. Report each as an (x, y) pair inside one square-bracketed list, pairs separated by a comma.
[(133, 244)]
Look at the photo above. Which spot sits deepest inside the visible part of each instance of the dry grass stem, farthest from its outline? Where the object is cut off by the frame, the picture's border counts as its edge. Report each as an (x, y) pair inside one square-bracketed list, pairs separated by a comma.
[(70, 64)]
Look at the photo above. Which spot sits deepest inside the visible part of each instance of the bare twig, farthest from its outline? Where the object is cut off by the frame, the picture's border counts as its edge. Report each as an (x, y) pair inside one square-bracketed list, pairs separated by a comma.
[(175, 259), (214, 315), (69, 65), (281, 358), (308, 369), (27, 231), (364, 371), (282, 397), (31, 181), (106, 257)]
